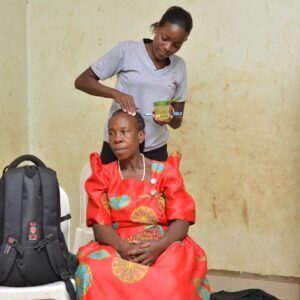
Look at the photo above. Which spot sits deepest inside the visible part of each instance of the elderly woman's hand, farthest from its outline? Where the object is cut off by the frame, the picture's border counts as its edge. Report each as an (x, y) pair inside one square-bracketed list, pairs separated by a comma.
[(147, 252), (126, 248)]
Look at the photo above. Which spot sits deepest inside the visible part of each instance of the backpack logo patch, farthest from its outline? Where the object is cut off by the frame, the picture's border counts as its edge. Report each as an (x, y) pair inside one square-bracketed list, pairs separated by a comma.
[(32, 236)]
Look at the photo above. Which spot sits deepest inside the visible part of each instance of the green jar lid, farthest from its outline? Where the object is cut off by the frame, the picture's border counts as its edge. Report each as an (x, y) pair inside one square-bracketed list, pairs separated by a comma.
[(161, 103)]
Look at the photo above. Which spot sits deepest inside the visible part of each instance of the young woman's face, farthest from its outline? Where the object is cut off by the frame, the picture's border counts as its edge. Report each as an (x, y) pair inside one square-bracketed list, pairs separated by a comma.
[(168, 40), (124, 136)]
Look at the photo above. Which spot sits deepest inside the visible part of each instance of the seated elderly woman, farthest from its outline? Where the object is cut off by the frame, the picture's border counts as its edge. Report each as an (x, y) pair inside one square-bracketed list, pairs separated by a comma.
[(140, 213)]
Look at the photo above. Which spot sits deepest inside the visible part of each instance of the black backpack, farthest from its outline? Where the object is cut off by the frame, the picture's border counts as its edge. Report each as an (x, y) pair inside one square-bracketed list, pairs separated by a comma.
[(33, 250)]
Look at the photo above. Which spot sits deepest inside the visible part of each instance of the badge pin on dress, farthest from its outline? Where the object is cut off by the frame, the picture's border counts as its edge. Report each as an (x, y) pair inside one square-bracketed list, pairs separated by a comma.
[(153, 192), (153, 180)]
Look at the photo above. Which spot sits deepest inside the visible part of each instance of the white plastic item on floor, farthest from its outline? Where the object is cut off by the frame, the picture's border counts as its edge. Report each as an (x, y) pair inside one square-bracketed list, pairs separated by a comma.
[(56, 290)]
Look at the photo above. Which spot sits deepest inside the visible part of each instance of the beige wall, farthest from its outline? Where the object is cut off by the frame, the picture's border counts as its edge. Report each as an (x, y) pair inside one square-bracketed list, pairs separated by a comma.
[(240, 138), (13, 81)]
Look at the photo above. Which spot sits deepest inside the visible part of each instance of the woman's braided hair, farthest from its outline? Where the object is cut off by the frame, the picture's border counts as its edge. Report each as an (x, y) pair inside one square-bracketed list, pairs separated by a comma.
[(138, 117)]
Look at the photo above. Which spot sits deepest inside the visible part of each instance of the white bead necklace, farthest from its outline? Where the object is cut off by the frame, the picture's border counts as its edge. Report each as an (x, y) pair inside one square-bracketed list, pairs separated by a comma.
[(144, 171)]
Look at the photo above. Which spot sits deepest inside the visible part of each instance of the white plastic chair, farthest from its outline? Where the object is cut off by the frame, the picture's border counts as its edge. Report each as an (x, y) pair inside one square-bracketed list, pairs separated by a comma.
[(83, 234), (56, 290)]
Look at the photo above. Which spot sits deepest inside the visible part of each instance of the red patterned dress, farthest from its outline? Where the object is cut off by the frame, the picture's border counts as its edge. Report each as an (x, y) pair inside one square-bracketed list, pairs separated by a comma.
[(140, 210)]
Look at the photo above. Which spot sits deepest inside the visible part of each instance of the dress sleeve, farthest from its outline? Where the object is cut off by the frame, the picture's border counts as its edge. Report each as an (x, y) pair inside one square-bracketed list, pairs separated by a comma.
[(179, 203), (98, 209)]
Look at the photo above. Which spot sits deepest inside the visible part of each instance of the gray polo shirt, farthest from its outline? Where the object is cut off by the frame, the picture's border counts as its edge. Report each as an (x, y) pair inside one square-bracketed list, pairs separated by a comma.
[(138, 76)]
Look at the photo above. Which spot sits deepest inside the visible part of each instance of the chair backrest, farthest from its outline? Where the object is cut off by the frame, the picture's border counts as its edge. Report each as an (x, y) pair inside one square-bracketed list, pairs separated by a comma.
[(65, 209), (85, 173)]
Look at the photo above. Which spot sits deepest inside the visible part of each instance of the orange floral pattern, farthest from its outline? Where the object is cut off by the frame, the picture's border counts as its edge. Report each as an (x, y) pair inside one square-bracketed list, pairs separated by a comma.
[(127, 271), (144, 215), (153, 233)]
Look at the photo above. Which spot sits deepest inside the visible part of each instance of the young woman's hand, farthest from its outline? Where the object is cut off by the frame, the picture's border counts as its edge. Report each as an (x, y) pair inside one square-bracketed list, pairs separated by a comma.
[(125, 101), (175, 116), (166, 121)]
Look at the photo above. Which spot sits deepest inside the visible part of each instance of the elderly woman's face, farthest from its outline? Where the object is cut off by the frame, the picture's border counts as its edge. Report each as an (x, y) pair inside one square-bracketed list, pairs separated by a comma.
[(124, 136)]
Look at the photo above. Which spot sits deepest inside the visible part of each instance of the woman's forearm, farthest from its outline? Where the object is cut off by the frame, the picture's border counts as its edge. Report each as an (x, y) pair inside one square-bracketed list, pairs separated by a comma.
[(107, 236), (176, 231), (176, 121)]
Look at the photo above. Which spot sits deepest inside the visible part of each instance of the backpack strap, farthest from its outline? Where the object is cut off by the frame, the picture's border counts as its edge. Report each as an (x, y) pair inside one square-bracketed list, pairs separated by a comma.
[(51, 213), (13, 188), (65, 218), (59, 262)]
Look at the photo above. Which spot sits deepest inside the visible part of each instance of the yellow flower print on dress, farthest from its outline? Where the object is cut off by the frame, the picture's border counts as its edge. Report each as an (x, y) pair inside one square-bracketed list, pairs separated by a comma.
[(128, 271), (151, 232), (105, 203), (144, 215), (161, 201)]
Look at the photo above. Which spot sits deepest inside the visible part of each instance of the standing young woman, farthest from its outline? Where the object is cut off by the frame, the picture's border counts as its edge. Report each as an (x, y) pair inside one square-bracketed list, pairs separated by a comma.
[(147, 71)]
